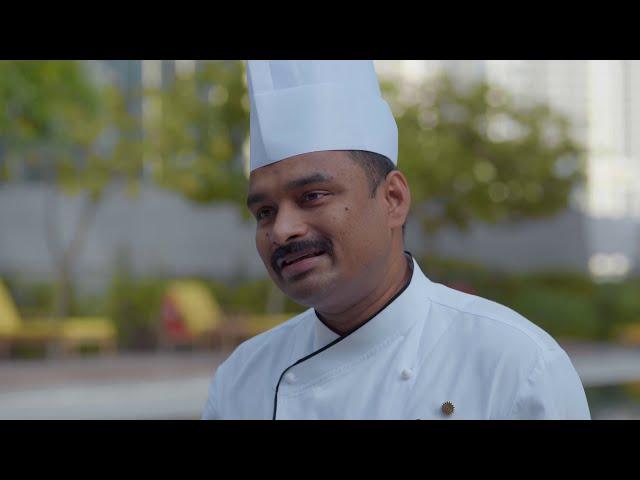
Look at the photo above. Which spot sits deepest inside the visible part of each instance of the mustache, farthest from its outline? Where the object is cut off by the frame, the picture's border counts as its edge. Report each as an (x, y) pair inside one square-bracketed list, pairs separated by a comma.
[(320, 244)]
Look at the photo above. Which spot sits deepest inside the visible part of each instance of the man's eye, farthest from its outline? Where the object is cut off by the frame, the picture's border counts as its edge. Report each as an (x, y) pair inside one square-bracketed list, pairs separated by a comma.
[(311, 196), (263, 213)]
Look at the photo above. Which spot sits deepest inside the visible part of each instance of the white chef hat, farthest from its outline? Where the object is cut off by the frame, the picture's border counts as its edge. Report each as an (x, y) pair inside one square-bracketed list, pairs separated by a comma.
[(302, 106)]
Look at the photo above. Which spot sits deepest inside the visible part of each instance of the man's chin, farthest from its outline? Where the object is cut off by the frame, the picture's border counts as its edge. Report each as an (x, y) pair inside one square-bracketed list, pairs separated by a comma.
[(306, 290)]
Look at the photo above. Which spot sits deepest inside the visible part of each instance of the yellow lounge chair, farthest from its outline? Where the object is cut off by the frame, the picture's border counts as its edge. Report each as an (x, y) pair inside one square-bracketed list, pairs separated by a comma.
[(67, 334), (629, 334), (191, 315)]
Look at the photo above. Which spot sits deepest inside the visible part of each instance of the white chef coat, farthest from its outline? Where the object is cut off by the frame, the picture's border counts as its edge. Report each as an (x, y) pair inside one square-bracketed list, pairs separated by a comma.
[(430, 345)]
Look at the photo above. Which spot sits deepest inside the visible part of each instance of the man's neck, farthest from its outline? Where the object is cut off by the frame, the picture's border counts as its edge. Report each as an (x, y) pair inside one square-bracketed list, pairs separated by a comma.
[(369, 305)]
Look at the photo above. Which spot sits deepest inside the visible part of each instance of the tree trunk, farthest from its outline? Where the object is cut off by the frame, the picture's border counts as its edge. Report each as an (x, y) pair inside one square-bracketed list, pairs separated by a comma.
[(64, 291), (65, 258)]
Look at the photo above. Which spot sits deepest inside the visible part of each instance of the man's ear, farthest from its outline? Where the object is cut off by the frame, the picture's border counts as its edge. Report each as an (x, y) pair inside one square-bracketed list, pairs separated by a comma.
[(397, 197)]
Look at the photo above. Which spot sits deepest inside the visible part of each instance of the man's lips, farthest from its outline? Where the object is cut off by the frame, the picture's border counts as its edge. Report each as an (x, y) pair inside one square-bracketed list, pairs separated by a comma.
[(301, 265), (298, 256)]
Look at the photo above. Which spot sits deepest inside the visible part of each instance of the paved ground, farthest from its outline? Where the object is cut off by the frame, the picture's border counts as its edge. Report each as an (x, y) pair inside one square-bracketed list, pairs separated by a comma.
[(604, 364), (130, 386), (174, 385)]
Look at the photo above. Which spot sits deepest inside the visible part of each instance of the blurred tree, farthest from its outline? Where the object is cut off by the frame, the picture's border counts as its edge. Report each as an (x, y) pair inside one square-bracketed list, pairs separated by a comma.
[(32, 95), (195, 140), (471, 153), (77, 137), (196, 143)]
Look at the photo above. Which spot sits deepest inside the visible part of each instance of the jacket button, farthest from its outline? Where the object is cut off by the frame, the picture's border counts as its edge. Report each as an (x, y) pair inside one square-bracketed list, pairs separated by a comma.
[(448, 408), (290, 377), (406, 374)]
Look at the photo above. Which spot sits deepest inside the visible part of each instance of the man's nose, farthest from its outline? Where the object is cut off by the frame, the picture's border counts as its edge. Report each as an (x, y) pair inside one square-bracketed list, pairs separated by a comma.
[(289, 224)]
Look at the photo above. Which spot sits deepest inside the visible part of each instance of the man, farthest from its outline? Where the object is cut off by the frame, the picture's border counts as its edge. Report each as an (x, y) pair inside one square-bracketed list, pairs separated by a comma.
[(379, 340)]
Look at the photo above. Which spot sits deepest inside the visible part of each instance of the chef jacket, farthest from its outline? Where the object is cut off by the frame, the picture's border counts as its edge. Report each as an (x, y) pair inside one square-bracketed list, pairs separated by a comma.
[(431, 353)]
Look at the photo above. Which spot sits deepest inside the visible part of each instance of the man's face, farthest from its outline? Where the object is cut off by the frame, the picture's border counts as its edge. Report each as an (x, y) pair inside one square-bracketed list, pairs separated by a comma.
[(319, 233)]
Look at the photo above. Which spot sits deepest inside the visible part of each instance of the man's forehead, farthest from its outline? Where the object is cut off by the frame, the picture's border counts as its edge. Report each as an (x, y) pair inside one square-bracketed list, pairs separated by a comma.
[(328, 164)]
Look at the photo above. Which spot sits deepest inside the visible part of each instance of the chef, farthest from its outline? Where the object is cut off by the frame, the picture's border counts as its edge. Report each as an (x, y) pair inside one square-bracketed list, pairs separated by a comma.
[(379, 339)]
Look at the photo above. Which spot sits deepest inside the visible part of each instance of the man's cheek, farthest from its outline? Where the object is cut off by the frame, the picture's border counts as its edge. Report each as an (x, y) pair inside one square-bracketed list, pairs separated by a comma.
[(263, 251)]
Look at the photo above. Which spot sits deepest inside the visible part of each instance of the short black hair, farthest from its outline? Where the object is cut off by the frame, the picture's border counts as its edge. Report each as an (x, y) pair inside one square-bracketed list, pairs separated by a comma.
[(376, 167)]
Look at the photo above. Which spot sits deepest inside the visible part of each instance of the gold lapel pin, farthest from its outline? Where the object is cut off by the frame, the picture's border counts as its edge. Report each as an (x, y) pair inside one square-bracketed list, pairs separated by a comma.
[(448, 408)]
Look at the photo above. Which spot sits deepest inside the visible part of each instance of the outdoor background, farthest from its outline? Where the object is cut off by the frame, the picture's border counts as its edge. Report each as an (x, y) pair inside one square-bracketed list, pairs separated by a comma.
[(128, 269)]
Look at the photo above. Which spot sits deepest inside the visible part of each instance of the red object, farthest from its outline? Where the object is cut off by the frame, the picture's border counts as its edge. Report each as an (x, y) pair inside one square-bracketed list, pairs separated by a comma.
[(173, 322)]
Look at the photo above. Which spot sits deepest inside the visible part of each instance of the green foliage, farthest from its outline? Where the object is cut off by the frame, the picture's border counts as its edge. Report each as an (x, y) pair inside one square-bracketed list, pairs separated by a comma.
[(134, 305), (66, 129), (562, 313), (101, 151), (32, 298), (35, 97), (473, 154), (619, 304), (565, 304), (623, 397), (196, 142), (571, 281)]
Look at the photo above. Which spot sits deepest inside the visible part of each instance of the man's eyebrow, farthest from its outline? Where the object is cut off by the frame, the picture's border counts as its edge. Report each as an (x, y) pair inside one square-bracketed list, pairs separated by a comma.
[(292, 185), (255, 198), (313, 178)]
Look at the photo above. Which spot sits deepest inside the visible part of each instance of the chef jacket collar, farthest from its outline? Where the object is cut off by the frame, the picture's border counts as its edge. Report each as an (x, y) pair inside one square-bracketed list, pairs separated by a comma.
[(392, 322), (324, 334)]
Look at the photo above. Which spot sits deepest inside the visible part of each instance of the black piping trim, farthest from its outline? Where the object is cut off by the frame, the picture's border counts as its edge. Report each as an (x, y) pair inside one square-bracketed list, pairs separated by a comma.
[(326, 325), (275, 401)]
